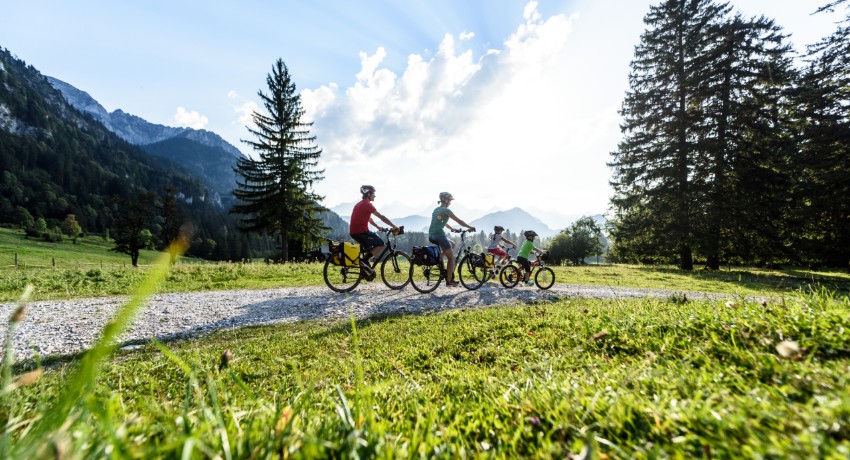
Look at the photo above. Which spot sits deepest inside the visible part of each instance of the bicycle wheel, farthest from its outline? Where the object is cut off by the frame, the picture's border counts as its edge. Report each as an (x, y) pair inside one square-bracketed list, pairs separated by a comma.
[(395, 270), (426, 278), (510, 275), (544, 278), (471, 272), (340, 278)]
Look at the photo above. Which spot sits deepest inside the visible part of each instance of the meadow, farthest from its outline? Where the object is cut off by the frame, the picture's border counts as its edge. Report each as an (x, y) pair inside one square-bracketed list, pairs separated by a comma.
[(649, 378)]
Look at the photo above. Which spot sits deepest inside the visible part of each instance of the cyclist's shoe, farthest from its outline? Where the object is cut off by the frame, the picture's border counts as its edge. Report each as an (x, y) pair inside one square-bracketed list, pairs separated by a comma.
[(451, 283), (529, 283), (368, 272)]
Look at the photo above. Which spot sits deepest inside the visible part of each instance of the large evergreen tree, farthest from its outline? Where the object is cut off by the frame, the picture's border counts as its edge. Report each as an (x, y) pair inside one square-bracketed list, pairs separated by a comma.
[(655, 161), (742, 149), (823, 185), (275, 190)]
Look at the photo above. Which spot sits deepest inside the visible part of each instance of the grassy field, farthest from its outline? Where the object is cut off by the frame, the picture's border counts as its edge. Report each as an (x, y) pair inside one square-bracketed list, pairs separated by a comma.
[(89, 252), (90, 269), (609, 379), (651, 378)]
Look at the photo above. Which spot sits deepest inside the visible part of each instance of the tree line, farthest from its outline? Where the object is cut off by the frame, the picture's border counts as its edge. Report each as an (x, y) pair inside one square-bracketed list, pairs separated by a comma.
[(733, 150)]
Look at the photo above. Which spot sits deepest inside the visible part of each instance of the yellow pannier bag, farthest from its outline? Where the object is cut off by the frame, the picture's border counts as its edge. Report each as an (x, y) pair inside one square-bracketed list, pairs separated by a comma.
[(488, 260), (351, 254), (335, 250)]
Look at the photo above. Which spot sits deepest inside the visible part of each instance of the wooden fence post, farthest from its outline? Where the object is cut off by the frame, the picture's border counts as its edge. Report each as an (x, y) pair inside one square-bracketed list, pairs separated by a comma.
[(54, 262), (16, 261)]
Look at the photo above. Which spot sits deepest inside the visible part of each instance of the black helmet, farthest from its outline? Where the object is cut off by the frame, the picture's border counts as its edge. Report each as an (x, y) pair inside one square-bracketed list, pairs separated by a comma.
[(366, 189), (530, 233), (498, 229)]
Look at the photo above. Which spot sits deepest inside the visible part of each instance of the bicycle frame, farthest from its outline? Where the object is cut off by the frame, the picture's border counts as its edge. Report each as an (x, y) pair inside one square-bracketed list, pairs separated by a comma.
[(389, 247), (463, 249)]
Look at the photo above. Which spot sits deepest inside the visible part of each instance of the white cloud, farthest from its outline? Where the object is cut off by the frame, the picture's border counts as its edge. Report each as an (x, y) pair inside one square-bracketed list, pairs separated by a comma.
[(232, 94), (190, 119), (470, 125), (244, 112)]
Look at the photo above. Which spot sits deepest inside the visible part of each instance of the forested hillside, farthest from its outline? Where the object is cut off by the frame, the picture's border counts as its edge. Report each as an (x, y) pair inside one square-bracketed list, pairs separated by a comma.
[(57, 161)]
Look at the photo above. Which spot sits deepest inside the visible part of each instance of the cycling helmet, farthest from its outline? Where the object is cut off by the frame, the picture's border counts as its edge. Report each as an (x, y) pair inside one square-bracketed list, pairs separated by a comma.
[(366, 189), (446, 196), (498, 229), (530, 233)]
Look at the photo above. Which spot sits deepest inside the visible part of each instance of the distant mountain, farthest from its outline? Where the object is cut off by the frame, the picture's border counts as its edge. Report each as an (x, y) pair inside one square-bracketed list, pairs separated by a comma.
[(202, 152), (218, 175), (413, 223), (514, 220)]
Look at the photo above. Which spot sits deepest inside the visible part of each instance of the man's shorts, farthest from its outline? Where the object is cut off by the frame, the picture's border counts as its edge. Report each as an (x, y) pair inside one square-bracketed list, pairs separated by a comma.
[(368, 240), (443, 242)]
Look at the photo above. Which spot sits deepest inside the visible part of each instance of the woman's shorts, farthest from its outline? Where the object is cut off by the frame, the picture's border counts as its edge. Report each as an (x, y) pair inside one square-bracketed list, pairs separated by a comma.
[(368, 240), (443, 242)]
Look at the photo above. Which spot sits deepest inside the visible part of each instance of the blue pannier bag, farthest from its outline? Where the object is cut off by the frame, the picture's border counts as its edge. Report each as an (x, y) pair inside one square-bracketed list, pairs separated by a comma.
[(426, 255)]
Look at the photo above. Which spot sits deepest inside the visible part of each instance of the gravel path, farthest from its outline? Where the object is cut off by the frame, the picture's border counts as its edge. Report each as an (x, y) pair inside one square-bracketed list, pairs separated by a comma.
[(69, 326)]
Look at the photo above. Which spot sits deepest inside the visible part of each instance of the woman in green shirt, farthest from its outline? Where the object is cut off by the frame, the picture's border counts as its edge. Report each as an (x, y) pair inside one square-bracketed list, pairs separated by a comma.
[(436, 235)]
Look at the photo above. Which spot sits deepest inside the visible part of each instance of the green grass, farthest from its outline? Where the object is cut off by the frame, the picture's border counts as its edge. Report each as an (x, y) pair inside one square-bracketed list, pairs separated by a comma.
[(642, 378), (90, 269), (608, 379), (89, 252), (743, 280)]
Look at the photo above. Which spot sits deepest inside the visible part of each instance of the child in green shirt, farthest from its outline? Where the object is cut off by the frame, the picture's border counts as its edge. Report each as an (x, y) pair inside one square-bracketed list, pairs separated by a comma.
[(524, 251)]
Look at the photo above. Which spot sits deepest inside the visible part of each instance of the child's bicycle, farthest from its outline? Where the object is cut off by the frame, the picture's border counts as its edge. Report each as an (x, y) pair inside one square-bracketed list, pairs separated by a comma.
[(543, 276), (344, 267)]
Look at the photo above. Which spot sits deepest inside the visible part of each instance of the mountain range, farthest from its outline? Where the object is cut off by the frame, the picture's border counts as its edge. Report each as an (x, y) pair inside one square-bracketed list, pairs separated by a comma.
[(515, 219), (205, 153)]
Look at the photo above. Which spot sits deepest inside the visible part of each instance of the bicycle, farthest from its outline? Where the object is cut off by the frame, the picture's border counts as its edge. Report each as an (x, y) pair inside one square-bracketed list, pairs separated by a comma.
[(473, 269), (344, 270), (543, 276), (500, 263), (427, 269)]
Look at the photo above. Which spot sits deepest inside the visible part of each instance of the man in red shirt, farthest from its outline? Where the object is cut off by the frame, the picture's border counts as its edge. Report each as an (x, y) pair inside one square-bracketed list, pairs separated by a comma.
[(361, 217)]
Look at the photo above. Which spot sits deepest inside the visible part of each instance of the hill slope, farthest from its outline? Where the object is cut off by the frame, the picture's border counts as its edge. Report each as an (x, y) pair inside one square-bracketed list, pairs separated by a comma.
[(58, 161), (203, 153)]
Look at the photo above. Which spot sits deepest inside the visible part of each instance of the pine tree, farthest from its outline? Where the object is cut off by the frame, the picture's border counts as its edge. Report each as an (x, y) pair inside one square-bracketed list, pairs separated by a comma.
[(275, 191), (740, 168), (823, 101), (654, 163)]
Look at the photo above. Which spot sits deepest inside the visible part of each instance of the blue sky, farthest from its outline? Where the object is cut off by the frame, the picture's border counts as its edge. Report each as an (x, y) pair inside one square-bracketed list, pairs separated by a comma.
[(502, 102)]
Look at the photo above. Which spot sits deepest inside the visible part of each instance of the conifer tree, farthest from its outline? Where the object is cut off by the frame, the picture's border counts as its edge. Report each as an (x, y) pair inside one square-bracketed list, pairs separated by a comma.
[(654, 164), (275, 190), (823, 185), (742, 150)]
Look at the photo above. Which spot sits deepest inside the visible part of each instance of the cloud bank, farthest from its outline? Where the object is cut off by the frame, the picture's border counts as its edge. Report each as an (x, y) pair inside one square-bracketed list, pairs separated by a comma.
[(505, 128)]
